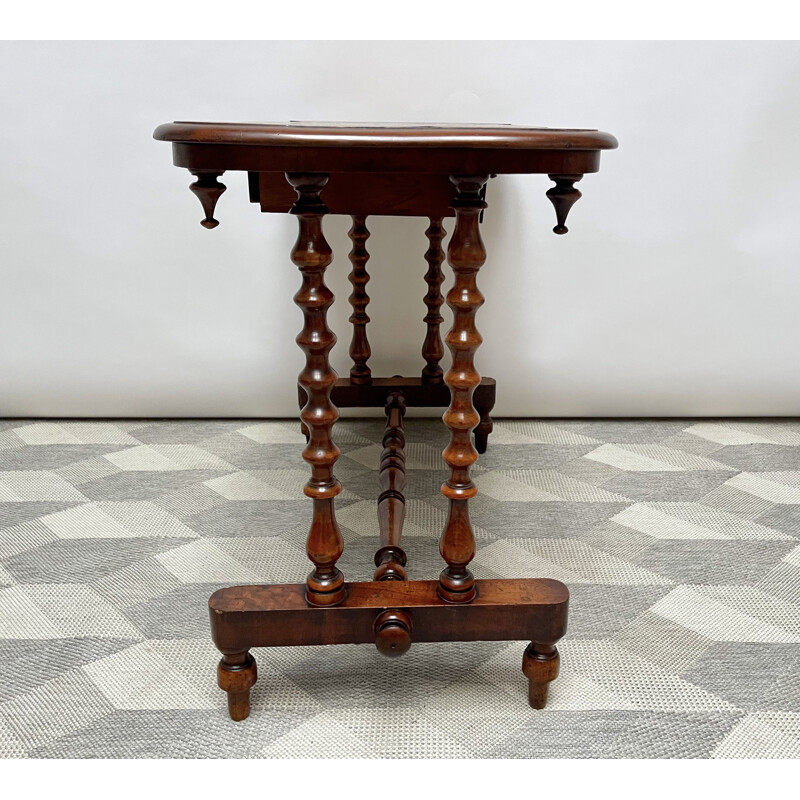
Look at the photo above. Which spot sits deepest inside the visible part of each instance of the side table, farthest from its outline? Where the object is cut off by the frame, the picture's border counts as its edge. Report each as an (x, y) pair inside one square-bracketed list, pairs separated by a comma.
[(433, 171)]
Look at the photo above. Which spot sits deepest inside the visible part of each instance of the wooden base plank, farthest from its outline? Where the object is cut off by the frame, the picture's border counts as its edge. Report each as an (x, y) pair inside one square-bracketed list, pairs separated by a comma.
[(278, 616)]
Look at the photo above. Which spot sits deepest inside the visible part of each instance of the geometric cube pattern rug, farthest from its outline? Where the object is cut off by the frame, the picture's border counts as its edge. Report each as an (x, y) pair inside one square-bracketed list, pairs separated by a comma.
[(679, 541)]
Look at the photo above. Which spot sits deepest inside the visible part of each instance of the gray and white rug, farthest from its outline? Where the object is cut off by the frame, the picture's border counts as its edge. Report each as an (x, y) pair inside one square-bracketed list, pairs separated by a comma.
[(679, 540)]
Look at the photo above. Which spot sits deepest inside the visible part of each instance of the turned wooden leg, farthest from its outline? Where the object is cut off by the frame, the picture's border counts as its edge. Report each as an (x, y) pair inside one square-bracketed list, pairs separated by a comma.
[(236, 675), (359, 299), (465, 255), (432, 347), (540, 666), (325, 584), (485, 426)]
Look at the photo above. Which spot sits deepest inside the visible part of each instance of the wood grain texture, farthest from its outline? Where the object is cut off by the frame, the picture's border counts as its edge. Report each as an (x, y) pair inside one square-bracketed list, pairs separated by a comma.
[(277, 615), (465, 254), (236, 675), (312, 255), (540, 665)]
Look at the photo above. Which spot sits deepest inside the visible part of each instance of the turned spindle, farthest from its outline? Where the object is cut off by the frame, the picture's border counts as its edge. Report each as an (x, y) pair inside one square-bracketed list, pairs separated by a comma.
[(465, 254), (432, 347), (208, 190), (540, 664), (563, 196), (390, 559), (359, 299), (325, 585)]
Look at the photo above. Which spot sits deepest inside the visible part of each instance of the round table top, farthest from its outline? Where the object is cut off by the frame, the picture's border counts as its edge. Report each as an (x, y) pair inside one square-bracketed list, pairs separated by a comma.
[(385, 135)]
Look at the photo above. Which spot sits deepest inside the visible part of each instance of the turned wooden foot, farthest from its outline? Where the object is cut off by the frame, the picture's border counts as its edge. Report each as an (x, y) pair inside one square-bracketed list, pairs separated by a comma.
[(540, 666), (483, 405), (482, 435), (236, 675)]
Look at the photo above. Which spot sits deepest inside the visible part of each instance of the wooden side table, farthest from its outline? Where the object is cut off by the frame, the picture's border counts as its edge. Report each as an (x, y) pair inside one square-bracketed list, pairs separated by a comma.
[(433, 171)]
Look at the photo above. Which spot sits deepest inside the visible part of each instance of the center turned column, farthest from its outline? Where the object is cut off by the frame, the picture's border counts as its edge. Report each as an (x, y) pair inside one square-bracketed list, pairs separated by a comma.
[(465, 254), (325, 584)]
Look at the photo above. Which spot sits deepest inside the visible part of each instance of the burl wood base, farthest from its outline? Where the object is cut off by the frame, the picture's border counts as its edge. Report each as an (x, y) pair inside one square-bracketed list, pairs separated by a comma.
[(392, 615)]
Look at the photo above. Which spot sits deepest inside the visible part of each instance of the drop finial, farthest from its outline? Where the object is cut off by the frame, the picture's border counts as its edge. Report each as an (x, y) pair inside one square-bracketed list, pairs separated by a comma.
[(208, 190), (563, 196)]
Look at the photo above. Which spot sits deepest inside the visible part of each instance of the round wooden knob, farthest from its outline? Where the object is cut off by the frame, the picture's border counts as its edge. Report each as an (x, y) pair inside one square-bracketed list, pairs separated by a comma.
[(393, 633)]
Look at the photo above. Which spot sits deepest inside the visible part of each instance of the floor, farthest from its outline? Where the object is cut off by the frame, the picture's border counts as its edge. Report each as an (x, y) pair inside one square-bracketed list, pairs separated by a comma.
[(679, 540)]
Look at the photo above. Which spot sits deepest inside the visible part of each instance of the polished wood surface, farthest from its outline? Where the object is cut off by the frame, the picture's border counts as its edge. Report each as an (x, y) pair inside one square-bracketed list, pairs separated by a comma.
[(406, 161), (311, 254), (440, 149), (430, 171), (362, 194), (208, 190), (382, 135), (466, 255), (533, 610)]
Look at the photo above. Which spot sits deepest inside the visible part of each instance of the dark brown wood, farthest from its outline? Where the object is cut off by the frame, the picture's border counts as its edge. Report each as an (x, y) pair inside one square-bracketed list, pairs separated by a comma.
[(484, 403), (416, 394), (387, 169), (442, 150), (513, 609), (408, 136), (540, 664), (432, 347), (208, 190), (311, 254), (443, 161), (465, 254), (563, 196), (359, 299), (363, 193), (390, 559)]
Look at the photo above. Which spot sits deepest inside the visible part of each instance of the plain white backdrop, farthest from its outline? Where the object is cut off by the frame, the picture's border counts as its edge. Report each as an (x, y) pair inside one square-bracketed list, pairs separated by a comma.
[(675, 292)]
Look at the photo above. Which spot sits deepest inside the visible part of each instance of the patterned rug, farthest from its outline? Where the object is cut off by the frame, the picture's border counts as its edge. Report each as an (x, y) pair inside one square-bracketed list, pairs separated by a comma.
[(679, 540)]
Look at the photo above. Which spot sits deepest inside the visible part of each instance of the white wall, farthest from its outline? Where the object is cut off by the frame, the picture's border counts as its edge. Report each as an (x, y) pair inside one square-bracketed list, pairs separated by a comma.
[(675, 292)]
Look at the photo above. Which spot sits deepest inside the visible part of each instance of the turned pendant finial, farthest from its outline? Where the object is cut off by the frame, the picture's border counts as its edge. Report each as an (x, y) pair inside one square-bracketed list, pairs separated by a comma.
[(563, 196), (208, 190)]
